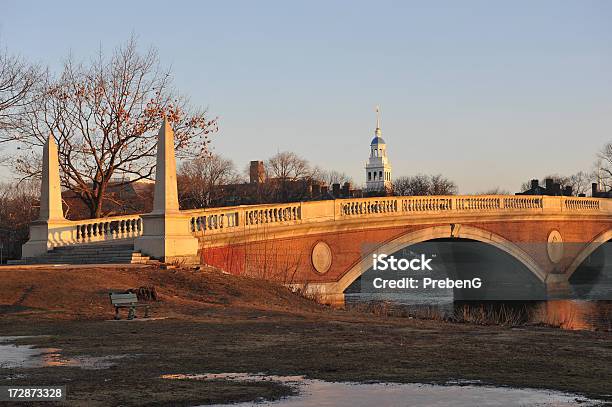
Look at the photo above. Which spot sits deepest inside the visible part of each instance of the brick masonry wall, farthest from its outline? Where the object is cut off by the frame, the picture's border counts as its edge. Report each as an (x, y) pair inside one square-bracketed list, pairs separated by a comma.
[(289, 259)]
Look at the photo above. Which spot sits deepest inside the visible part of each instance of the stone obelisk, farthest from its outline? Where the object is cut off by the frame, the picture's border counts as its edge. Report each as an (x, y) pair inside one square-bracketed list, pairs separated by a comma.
[(49, 227), (166, 232)]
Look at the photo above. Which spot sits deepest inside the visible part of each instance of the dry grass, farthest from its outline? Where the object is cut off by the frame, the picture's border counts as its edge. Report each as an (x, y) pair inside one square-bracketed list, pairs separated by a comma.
[(82, 293)]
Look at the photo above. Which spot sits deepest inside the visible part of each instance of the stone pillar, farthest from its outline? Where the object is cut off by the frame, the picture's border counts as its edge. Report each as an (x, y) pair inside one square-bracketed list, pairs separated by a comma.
[(47, 231), (557, 287), (166, 232)]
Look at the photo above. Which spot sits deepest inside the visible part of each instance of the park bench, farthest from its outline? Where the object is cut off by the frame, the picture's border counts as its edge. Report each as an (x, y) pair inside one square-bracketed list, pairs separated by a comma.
[(127, 300)]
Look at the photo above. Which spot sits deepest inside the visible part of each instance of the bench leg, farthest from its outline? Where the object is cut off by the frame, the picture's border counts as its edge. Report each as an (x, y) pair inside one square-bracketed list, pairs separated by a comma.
[(117, 316), (146, 315), (131, 313)]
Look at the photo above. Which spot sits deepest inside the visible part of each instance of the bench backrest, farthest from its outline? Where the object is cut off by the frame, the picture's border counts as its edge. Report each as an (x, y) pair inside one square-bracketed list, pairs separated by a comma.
[(123, 299)]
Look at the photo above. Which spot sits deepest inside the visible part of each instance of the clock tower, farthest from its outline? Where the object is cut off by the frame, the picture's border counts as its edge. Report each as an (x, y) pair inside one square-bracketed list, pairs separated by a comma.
[(378, 169)]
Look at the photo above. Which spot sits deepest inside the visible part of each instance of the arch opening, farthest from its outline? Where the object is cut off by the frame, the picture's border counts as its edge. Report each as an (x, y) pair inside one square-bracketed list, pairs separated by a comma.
[(592, 278), (463, 253), (461, 270)]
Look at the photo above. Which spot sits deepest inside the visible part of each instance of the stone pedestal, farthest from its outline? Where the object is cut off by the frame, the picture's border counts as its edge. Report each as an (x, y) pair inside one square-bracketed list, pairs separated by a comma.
[(45, 235), (38, 243), (167, 237)]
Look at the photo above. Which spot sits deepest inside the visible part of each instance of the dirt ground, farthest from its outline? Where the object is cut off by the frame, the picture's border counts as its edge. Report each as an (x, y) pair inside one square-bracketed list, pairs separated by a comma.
[(211, 322)]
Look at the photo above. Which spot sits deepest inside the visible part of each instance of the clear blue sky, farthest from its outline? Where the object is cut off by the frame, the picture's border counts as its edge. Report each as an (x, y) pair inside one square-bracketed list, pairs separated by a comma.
[(487, 93)]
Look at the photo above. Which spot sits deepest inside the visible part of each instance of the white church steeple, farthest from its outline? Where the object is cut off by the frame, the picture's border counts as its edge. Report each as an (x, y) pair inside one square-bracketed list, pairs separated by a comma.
[(378, 169)]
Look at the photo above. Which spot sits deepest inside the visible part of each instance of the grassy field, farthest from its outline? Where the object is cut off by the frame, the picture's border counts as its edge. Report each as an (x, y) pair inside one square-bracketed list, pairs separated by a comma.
[(212, 322)]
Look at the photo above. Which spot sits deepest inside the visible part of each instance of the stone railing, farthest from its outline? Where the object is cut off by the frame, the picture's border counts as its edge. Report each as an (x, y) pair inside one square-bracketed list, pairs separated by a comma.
[(273, 214), (212, 220), (440, 204), (402, 205), (218, 220), (113, 228), (578, 204), (523, 202), (67, 233), (479, 203), (367, 207), (204, 222), (418, 204)]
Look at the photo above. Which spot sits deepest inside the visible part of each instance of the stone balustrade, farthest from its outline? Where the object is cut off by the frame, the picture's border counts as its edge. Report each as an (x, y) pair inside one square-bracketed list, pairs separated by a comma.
[(112, 228), (273, 214), (204, 222), (66, 232), (523, 202), (578, 204), (369, 206), (477, 203), (419, 204), (218, 220)]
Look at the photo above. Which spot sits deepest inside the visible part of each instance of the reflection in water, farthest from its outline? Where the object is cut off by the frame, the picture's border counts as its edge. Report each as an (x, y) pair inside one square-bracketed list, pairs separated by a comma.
[(510, 292), (564, 314), (26, 356), (575, 314), (320, 393)]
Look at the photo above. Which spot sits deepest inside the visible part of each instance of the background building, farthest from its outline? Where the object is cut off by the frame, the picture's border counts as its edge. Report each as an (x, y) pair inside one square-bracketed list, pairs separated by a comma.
[(378, 169)]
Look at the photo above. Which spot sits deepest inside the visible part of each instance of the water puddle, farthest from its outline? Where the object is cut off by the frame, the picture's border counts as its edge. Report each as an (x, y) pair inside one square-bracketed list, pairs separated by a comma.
[(320, 393), (14, 356)]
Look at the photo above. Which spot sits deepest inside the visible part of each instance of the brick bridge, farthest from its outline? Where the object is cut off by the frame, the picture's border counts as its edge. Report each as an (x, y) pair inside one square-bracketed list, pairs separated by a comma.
[(320, 244), (327, 244)]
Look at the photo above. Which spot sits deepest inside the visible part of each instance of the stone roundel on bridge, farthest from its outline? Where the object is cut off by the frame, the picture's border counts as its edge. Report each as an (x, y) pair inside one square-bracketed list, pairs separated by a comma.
[(321, 257), (555, 246)]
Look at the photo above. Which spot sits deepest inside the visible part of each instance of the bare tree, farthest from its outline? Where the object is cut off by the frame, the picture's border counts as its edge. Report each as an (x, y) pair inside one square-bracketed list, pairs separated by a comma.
[(287, 166), (603, 171), (17, 81), (19, 205), (332, 177), (580, 182), (414, 185), (104, 116), (442, 186), (200, 180), (284, 170), (424, 185)]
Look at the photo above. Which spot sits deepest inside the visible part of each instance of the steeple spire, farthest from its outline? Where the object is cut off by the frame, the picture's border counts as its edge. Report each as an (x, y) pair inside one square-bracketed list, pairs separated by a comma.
[(378, 132)]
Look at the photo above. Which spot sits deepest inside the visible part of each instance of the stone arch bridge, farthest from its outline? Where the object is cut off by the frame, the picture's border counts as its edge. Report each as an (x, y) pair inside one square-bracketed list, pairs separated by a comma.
[(320, 244), (328, 244)]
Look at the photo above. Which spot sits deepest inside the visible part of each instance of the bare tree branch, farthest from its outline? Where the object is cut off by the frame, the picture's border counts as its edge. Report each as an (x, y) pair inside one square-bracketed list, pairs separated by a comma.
[(424, 185), (200, 180), (104, 116), (17, 80)]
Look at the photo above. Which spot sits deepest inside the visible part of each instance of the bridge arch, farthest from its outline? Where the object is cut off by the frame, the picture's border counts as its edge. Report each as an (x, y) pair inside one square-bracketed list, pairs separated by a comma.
[(593, 245), (458, 231)]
